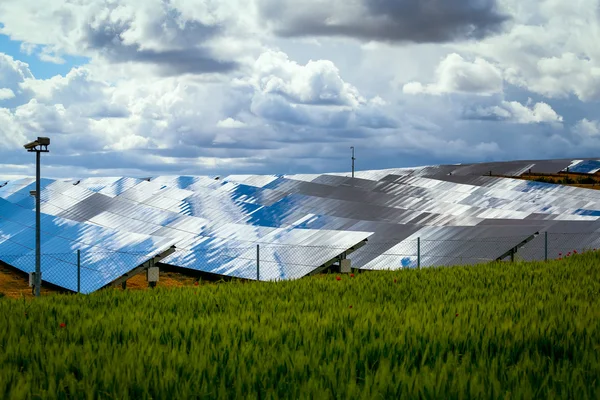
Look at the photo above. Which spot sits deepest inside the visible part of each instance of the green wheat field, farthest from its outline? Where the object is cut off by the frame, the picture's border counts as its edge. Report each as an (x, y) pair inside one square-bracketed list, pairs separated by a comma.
[(507, 331)]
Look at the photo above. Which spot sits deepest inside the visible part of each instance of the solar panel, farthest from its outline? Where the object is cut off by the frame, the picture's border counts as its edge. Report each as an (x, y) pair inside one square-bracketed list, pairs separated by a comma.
[(107, 253), (300, 222)]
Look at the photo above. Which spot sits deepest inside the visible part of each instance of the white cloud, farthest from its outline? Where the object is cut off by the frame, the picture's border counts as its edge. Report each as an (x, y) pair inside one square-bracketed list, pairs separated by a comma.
[(27, 48), (586, 135), (182, 84), (12, 133), (515, 112), (78, 86), (560, 76), (230, 123), (317, 82), (96, 115), (12, 73), (173, 118), (457, 75), (551, 49), (128, 143), (587, 128), (540, 112), (11, 69), (39, 117), (6, 93), (49, 54), (171, 37), (312, 95)]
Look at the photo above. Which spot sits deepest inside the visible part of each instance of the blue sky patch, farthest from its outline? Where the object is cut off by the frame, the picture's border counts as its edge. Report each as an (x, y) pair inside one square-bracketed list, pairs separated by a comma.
[(40, 69)]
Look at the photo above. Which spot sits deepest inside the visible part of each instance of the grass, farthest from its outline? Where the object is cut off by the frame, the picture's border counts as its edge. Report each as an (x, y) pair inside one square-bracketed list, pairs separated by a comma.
[(511, 331)]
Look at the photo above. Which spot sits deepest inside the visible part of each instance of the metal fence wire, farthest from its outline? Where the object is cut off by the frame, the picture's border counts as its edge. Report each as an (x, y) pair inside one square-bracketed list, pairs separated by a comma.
[(88, 271)]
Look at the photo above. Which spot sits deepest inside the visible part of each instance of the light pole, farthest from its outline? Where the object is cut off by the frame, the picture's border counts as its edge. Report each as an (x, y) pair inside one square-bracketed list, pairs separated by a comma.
[(352, 147), (39, 146)]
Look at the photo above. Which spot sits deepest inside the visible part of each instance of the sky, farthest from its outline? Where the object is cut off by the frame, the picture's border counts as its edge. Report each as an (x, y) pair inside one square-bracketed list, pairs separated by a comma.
[(218, 87)]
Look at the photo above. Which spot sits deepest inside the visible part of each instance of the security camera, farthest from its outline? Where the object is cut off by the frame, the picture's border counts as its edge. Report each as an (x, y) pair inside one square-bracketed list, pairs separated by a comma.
[(41, 141), (32, 145)]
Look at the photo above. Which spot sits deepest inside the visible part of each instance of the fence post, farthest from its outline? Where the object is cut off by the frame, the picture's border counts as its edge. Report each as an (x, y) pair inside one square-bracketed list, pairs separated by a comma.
[(258, 262), (418, 252), (546, 246), (78, 271)]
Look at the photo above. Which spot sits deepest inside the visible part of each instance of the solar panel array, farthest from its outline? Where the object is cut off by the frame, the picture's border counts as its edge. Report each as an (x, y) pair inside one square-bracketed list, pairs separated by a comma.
[(584, 166), (300, 221)]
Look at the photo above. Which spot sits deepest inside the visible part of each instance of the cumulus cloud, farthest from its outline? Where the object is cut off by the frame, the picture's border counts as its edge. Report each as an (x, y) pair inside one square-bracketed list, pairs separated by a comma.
[(569, 73), (585, 134), (457, 75), (194, 86), (6, 93), (173, 37), (316, 83), (385, 20), (76, 87), (12, 133), (515, 112), (230, 123), (12, 70), (12, 74), (260, 120), (90, 114), (48, 55), (587, 128), (313, 95), (39, 117), (551, 49)]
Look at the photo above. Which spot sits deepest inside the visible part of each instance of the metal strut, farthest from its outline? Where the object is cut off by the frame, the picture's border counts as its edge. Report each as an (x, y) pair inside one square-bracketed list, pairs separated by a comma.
[(513, 250)]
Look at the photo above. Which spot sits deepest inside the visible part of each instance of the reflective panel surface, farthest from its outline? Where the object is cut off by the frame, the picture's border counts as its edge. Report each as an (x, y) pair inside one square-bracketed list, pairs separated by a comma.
[(286, 226)]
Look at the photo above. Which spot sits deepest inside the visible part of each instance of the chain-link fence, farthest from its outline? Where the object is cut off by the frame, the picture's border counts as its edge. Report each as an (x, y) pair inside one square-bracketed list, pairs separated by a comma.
[(558, 245), (79, 271), (88, 271), (420, 252)]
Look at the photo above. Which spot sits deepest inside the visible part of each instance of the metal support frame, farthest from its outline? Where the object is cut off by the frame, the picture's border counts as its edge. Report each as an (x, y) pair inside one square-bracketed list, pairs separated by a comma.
[(78, 271), (513, 250), (38, 245), (38, 146), (122, 280), (258, 262), (546, 246), (337, 258), (419, 252), (352, 147)]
